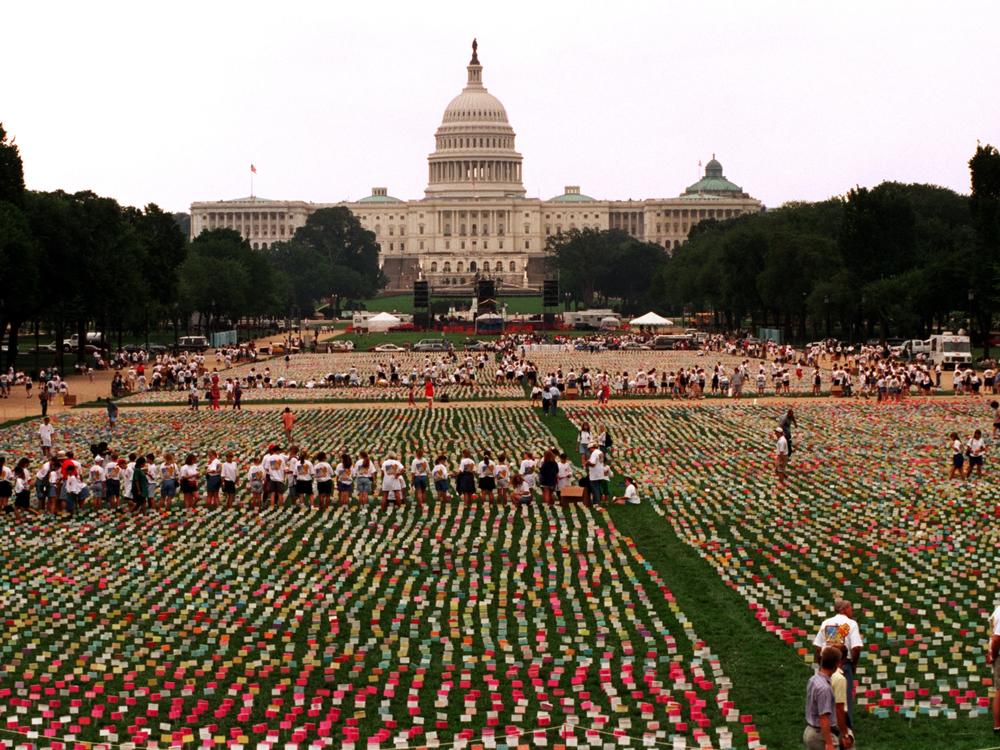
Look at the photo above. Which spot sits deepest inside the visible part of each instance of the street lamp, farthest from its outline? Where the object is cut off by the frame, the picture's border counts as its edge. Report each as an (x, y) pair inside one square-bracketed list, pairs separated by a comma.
[(972, 301), (177, 322)]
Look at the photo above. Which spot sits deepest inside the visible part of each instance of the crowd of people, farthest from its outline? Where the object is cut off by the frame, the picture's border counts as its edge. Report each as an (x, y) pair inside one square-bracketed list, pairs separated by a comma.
[(63, 483)]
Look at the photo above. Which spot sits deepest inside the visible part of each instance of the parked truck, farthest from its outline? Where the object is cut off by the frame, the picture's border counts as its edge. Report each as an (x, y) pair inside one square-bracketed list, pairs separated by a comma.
[(949, 348)]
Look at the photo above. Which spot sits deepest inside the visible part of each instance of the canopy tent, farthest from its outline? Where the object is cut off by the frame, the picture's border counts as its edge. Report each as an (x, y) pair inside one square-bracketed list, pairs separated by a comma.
[(651, 319), (382, 322)]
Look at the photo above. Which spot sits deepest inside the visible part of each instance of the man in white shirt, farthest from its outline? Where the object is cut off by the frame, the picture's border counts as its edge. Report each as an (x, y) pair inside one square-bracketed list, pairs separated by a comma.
[(993, 659), (274, 465), (780, 454), (842, 630), (595, 473)]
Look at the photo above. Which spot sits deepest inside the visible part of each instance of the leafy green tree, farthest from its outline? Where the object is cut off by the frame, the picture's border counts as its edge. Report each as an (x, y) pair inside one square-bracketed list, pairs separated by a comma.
[(349, 251), (11, 171), (985, 207), (19, 265)]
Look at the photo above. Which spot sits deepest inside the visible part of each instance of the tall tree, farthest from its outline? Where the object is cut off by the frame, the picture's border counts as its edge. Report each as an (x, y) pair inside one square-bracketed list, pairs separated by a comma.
[(11, 171), (985, 205), (19, 264), (349, 250)]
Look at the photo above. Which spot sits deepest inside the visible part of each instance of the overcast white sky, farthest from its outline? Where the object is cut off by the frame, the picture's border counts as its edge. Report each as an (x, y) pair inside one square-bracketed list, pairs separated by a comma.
[(171, 102)]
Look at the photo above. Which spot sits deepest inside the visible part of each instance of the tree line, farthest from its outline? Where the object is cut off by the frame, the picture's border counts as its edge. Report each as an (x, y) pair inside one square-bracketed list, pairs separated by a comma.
[(894, 260), (75, 262)]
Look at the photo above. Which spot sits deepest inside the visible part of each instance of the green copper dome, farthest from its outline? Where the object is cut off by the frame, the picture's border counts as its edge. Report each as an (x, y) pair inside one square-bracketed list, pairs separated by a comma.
[(572, 194), (379, 195), (714, 183)]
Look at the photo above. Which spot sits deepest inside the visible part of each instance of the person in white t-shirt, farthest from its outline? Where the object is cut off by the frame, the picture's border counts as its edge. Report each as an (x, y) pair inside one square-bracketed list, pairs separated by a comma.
[(528, 471), (189, 481), (323, 472), (213, 480), (501, 472), (45, 431), (976, 448), (596, 474), (842, 631), (255, 478), (230, 473), (392, 479), (419, 469), (304, 479), (275, 466), (780, 454), (364, 471), (993, 659), (440, 476), (631, 496), (957, 457), (95, 477)]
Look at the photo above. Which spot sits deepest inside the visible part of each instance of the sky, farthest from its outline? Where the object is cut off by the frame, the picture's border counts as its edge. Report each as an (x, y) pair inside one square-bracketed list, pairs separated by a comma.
[(171, 102)]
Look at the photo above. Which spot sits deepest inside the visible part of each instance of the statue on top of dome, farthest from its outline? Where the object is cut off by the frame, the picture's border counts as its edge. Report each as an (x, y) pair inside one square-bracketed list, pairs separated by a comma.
[(475, 54)]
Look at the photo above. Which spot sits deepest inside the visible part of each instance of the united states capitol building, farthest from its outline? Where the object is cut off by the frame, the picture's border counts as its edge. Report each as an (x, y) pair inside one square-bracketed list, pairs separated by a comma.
[(475, 219)]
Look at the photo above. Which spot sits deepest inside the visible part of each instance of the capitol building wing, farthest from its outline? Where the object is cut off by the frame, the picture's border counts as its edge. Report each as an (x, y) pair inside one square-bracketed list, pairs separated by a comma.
[(475, 219)]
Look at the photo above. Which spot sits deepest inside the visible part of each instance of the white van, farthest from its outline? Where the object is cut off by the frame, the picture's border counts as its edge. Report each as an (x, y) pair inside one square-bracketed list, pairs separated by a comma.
[(948, 349), (914, 348)]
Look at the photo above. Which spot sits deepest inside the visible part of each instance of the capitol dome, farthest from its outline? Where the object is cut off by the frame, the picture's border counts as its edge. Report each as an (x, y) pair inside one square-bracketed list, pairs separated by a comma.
[(474, 152)]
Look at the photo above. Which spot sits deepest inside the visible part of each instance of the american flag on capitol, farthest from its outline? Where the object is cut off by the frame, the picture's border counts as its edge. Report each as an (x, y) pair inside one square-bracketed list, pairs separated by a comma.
[(253, 169)]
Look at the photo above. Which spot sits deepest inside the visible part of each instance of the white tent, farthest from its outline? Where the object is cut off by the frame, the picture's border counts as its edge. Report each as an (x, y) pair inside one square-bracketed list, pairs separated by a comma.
[(382, 322), (651, 319)]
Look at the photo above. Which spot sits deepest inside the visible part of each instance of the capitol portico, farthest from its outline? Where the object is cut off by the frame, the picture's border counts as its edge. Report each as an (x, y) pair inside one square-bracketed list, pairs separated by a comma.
[(474, 218)]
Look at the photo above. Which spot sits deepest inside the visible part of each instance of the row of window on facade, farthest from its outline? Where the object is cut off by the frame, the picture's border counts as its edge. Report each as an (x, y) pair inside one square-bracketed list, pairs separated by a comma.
[(262, 230), (488, 142), (447, 245), (497, 267)]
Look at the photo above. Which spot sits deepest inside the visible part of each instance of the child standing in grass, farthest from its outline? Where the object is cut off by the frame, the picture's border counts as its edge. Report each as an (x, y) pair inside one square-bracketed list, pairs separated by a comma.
[(255, 477), (521, 489), (565, 473), (502, 473)]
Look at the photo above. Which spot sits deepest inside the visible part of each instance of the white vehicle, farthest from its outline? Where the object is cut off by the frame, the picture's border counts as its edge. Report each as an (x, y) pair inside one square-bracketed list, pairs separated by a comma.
[(948, 348), (916, 349), (93, 337)]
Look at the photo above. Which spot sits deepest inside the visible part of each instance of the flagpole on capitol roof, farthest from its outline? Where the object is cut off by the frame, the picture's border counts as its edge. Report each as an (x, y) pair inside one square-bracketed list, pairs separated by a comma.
[(253, 171)]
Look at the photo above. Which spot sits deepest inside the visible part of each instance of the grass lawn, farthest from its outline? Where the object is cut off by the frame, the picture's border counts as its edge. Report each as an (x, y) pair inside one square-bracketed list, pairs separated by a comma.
[(290, 626), (769, 675), (410, 626)]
